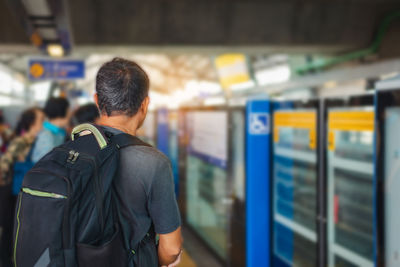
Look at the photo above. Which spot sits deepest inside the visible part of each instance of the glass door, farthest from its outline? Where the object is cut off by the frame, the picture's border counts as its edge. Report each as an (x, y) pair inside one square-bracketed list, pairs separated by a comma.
[(295, 173), (388, 178), (207, 189), (350, 172)]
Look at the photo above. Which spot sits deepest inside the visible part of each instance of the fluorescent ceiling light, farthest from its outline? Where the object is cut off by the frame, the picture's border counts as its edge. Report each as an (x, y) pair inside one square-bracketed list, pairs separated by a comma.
[(37, 7), (196, 88), (214, 101), (48, 33), (278, 74), (55, 50), (242, 86), (389, 75)]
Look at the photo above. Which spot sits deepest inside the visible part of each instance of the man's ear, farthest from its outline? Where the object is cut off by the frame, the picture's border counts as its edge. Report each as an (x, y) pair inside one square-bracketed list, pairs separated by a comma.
[(145, 105), (96, 99)]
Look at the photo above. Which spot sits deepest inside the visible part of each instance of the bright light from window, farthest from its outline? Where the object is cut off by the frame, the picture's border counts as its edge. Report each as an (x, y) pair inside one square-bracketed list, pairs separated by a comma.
[(5, 82), (243, 86), (18, 88), (41, 90), (5, 101), (273, 75), (83, 100), (213, 101), (202, 88), (157, 100), (178, 98)]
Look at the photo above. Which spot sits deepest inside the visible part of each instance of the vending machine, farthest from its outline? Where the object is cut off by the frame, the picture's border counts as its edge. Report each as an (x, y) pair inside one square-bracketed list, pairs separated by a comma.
[(349, 172)]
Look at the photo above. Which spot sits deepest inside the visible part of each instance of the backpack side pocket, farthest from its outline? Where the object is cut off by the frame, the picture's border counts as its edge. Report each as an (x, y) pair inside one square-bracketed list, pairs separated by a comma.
[(109, 254)]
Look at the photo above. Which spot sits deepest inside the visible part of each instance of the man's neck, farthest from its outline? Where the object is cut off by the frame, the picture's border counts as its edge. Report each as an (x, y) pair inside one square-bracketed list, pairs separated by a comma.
[(123, 123)]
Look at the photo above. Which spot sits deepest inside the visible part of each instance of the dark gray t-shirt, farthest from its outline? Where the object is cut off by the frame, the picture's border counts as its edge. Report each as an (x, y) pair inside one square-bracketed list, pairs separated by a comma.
[(145, 187)]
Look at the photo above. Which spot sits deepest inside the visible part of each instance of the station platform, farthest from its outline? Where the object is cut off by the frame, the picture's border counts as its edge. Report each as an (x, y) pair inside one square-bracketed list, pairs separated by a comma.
[(195, 254)]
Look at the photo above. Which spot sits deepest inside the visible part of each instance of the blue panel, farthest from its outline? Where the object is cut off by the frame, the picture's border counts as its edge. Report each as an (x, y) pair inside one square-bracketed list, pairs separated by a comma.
[(50, 69), (162, 131), (173, 150), (258, 208), (167, 142)]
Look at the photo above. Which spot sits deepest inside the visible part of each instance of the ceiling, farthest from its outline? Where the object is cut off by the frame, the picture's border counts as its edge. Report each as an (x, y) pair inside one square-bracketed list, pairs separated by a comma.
[(175, 41), (167, 73), (227, 22), (314, 24)]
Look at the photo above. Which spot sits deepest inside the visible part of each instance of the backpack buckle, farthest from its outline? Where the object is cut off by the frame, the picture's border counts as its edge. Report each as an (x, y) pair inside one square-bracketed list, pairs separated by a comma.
[(73, 156)]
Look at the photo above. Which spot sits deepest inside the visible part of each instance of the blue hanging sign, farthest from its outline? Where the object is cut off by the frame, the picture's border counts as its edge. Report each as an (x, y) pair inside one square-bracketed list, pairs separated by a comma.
[(50, 69)]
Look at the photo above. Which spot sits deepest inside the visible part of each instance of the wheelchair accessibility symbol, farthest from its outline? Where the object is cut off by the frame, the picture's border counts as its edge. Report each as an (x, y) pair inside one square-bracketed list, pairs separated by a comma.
[(259, 123)]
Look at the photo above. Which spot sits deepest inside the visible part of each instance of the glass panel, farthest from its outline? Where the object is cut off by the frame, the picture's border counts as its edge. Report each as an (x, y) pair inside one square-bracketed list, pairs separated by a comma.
[(238, 155), (295, 178), (392, 185), (350, 188), (173, 146), (206, 178), (238, 211), (206, 213)]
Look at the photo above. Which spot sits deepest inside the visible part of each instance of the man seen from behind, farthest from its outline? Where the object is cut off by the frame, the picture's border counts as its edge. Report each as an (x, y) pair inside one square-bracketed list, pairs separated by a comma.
[(144, 183)]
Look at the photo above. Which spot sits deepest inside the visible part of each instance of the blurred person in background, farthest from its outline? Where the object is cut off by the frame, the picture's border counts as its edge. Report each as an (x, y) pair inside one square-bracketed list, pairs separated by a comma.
[(53, 133), (88, 113), (15, 162), (6, 133)]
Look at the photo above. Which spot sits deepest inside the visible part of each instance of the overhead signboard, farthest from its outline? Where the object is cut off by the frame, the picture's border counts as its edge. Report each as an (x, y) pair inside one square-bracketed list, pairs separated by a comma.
[(50, 69)]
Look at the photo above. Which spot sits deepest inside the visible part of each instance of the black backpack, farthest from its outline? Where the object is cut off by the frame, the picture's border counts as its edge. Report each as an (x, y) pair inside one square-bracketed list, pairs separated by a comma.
[(66, 213)]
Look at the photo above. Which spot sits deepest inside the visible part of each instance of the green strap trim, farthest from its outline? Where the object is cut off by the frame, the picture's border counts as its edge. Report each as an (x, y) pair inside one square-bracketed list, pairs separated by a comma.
[(41, 193), (16, 236), (88, 127)]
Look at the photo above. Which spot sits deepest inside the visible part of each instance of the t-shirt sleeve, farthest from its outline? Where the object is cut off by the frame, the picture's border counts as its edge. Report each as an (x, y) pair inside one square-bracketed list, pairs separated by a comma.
[(43, 145), (163, 207)]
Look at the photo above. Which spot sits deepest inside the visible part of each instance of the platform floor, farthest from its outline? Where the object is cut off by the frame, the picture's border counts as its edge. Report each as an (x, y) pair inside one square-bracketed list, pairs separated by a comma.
[(195, 252)]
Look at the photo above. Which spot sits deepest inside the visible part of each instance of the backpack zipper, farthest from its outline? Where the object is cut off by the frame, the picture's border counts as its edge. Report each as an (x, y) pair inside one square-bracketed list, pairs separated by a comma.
[(17, 233), (72, 157), (66, 223), (42, 194)]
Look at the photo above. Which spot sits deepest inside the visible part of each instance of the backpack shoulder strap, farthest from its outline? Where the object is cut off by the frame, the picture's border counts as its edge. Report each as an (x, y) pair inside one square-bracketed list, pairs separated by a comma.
[(124, 140)]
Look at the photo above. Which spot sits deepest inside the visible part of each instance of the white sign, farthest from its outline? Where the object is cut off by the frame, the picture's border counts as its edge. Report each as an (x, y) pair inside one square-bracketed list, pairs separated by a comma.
[(210, 133), (259, 123)]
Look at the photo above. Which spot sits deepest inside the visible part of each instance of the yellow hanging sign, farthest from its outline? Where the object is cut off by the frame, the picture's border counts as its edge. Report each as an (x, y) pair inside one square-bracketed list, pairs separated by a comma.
[(232, 69)]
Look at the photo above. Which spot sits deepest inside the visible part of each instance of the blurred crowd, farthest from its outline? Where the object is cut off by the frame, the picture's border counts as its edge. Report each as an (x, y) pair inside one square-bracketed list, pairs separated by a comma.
[(37, 132)]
